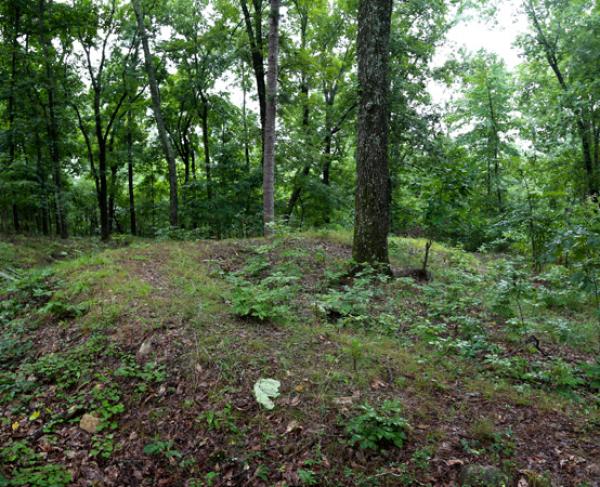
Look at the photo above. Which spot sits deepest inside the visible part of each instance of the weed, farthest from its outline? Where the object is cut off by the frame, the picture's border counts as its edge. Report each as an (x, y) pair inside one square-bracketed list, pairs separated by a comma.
[(264, 301), (162, 448), (376, 429)]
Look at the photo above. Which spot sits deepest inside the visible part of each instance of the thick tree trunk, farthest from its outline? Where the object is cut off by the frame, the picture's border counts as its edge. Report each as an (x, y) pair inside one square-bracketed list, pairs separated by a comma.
[(156, 107), (270, 122), (373, 180)]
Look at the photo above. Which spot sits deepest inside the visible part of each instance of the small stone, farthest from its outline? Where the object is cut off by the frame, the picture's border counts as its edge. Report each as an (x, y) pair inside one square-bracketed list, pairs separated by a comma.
[(89, 423), (483, 476), (145, 348), (594, 470)]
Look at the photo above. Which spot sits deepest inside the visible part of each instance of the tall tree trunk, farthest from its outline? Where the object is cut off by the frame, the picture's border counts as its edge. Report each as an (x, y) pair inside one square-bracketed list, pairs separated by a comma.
[(245, 120), (270, 121), (52, 126), (302, 173), (11, 108), (160, 124), (102, 169), (41, 175), (371, 226), (112, 197), (206, 144), (132, 222), (193, 158), (256, 51)]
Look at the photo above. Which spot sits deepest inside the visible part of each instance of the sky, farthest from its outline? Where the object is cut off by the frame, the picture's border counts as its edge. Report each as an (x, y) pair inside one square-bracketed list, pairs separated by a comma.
[(496, 36)]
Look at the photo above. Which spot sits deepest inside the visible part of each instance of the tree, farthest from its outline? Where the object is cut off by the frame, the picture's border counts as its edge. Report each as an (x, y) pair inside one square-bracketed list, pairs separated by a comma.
[(253, 23), (156, 108), (372, 204), (270, 121), (564, 33)]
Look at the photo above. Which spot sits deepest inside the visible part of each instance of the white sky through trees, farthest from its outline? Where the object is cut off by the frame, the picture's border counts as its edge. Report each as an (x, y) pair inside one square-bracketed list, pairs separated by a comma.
[(473, 33)]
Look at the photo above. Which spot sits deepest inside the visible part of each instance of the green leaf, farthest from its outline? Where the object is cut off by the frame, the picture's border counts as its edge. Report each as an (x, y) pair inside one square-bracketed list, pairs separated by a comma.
[(264, 390)]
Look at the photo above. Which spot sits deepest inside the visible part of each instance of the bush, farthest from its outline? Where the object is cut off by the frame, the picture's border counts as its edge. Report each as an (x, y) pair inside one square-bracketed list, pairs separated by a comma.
[(376, 429)]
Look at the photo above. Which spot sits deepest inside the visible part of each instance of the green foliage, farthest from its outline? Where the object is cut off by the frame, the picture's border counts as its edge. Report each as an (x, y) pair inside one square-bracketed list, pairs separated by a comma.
[(30, 468), (307, 477), (162, 448), (42, 476), (266, 300), (377, 429), (350, 305), (222, 420), (147, 374)]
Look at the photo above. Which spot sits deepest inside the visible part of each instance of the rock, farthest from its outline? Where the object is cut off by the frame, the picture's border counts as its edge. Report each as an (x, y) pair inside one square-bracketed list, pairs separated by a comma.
[(483, 476), (89, 423), (594, 470), (145, 348)]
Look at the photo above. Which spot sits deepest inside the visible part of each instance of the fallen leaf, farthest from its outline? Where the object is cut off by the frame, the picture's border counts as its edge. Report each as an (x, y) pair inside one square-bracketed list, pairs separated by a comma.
[(454, 461), (264, 390)]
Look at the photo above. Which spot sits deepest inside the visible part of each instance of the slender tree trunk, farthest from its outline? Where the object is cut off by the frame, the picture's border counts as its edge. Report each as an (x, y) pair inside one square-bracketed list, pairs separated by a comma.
[(256, 50), (132, 222), (193, 158), (41, 176), (245, 120), (11, 108), (102, 168), (270, 122), (52, 126), (373, 179), (206, 144), (303, 173), (156, 107), (112, 197)]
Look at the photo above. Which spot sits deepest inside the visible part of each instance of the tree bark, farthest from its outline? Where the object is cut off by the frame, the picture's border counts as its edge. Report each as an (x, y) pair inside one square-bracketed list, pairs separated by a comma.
[(256, 51), (156, 108), (206, 144), (11, 108), (52, 127), (303, 173), (372, 203), (270, 122), (132, 222)]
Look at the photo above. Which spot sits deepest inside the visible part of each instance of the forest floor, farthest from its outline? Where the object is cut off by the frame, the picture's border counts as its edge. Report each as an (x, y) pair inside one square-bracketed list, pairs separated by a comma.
[(135, 365)]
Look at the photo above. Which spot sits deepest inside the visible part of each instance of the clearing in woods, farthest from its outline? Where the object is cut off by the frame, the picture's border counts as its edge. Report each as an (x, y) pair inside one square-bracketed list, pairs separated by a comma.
[(135, 365)]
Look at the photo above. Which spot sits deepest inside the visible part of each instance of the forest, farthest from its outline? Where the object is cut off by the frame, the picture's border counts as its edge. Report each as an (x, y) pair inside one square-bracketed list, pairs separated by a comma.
[(299, 242)]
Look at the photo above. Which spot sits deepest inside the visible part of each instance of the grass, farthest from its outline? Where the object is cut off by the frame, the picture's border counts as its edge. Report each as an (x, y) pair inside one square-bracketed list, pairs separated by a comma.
[(472, 390)]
